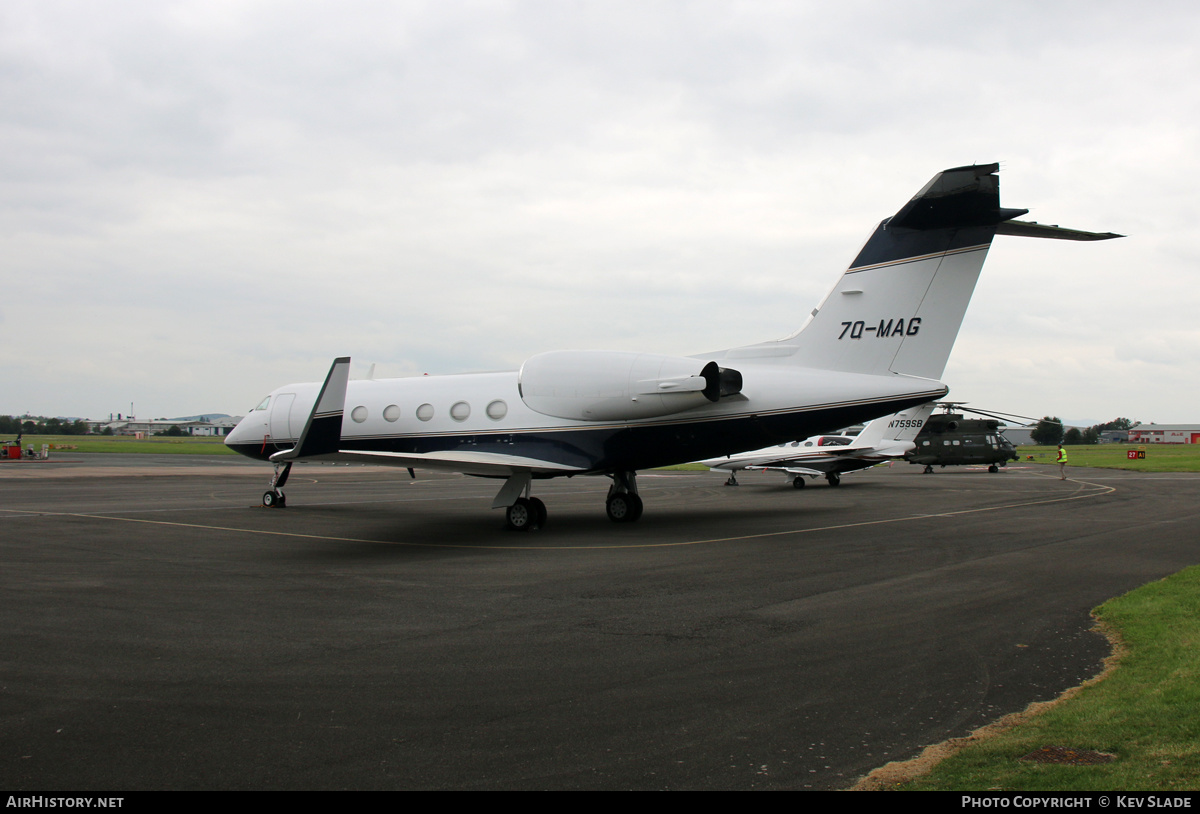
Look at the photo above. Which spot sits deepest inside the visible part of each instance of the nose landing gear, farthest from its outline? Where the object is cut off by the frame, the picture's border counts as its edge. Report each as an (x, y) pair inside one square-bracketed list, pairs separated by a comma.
[(273, 498)]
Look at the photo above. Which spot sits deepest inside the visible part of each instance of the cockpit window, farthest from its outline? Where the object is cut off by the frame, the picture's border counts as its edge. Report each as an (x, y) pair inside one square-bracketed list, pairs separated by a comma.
[(262, 405)]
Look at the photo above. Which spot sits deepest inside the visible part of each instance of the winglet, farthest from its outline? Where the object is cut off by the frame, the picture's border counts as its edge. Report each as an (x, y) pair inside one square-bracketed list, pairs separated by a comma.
[(323, 430)]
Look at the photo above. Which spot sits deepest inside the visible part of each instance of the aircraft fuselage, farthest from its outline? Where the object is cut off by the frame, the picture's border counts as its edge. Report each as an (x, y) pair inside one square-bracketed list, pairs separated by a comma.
[(485, 413)]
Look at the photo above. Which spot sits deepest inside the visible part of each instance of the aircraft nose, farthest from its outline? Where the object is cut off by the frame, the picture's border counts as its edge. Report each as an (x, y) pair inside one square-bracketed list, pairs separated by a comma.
[(238, 434)]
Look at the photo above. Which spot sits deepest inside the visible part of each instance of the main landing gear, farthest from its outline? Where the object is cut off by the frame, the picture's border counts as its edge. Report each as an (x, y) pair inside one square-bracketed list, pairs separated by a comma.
[(523, 512), (273, 498), (732, 480), (527, 514), (623, 504), (834, 478)]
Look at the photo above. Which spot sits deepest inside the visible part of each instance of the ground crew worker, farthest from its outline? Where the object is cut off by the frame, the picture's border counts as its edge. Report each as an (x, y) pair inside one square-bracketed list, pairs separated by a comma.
[(1062, 462)]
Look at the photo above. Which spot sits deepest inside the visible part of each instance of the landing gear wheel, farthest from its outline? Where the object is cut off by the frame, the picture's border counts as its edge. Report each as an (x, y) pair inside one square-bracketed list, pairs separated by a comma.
[(732, 481), (993, 469), (833, 478), (539, 512), (928, 469), (624, 507), (522, 515), (274, 499), (798, 482)]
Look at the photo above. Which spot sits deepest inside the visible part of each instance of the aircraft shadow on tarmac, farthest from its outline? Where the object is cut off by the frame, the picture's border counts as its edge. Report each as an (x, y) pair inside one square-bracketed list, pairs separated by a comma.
[(688, 513)]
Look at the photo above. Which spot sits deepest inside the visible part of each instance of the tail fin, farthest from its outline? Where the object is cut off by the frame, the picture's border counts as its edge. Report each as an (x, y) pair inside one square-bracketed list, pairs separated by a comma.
[(901, 426), (899, 306)]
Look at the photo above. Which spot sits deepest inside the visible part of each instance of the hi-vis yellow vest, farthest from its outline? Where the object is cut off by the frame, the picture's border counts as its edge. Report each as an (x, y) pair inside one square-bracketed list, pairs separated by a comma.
[(1062, 456)]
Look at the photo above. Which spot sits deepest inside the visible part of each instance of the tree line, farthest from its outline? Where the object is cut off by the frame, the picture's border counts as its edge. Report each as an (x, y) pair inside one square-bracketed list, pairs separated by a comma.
[(1049, 431), (40, 425)]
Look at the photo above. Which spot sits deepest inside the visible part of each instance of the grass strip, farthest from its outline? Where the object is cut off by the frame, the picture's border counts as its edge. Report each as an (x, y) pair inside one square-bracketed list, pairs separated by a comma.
[(1143, 712)]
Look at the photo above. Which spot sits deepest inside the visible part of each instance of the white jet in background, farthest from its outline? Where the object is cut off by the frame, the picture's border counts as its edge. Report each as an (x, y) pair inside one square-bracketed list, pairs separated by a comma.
[(884, 439)]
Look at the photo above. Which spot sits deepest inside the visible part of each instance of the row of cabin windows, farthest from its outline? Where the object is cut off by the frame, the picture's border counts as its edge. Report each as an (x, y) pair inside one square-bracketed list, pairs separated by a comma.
[(459, 411)]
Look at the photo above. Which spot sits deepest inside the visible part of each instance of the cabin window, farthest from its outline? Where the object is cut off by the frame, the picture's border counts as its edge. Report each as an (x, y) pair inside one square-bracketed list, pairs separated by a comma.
[(391, 412), (497, 410), (425, 412), (460, 411), (359, 414)]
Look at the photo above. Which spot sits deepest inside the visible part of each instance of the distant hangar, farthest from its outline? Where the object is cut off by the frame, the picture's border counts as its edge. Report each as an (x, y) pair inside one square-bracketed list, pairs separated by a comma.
[(1165, 434)]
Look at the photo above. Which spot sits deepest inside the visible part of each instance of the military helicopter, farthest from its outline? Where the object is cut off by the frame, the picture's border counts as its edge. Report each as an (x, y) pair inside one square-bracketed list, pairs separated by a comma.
[(951, 439)]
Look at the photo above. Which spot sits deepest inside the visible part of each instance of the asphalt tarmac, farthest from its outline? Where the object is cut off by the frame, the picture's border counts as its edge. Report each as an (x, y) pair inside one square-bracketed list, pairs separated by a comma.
[(163, 631)]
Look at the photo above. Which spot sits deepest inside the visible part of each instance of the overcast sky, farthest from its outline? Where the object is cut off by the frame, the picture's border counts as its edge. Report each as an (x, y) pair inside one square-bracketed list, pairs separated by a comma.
[(204, 200)]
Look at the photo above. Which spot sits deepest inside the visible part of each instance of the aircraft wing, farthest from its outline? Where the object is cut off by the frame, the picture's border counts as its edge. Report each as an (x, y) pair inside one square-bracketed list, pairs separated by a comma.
[(798, 470), (875, 452), (838, 465), (813, 469), (469, 463)]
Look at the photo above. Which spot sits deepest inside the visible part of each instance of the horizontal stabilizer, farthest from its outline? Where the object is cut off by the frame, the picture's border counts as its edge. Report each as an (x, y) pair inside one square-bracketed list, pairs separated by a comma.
[(1028, 228)]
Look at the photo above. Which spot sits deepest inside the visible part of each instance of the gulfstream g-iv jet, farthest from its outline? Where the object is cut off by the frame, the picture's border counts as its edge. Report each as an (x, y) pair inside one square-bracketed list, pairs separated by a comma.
[(876, 345)]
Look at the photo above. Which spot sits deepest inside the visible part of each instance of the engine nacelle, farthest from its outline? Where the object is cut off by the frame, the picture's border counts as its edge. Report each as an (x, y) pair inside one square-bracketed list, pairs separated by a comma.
[(617, 386)]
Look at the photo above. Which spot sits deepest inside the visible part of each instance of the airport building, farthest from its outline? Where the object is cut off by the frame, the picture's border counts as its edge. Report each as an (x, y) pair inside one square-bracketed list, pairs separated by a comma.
[(147, 427), (1165, 434)]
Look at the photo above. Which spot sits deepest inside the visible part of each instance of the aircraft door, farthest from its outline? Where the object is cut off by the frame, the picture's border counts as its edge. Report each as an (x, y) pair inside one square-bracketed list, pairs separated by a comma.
[(281, 408)]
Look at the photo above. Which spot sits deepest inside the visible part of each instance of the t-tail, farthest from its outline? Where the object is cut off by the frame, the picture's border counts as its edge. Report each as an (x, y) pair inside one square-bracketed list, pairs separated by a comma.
[(897, 309), (901, 427)]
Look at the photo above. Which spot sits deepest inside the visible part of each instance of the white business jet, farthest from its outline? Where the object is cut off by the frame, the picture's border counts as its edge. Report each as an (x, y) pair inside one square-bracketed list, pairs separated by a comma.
[(884, 439), (876, 345)]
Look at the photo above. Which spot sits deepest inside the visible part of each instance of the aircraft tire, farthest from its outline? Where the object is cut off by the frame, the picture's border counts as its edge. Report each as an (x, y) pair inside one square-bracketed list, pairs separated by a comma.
[(539, 510), (834, 478), (637, 508), (274, 500), (993, 469), (798, 482), (521, 516), (624, 507)]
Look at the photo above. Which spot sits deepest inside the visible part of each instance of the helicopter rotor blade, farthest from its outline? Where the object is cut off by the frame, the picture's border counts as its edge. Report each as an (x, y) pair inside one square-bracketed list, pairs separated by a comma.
[(962, 405)]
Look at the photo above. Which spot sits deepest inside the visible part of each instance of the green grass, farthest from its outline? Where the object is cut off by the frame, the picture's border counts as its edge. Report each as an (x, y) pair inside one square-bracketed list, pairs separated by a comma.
[(159, 445), (1144, 712), (1159, 457)]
